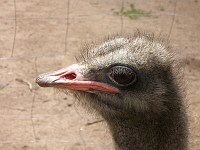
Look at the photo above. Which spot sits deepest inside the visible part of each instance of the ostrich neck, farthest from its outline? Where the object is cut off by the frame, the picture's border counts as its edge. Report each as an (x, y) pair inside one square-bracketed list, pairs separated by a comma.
[(167, 132)]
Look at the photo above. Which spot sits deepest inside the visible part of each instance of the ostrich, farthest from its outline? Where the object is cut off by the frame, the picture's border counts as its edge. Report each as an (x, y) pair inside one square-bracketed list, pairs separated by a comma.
[(133, 82)]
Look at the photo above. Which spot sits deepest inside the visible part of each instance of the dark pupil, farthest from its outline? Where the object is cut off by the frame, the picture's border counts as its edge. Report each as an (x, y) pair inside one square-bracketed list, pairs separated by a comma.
[(123, 78), (122, 75)]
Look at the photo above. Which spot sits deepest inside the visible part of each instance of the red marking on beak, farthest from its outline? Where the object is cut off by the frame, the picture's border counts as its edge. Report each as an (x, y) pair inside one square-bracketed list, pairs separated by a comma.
[(71, 78)]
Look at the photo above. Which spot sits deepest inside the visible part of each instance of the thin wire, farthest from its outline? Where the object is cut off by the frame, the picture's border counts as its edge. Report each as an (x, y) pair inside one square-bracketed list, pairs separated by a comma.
[(122, 17), (94, 122), (33, 102), (15, 28), (52, 54), (85, 17), (173, 19), (42, 141), (67, 28)]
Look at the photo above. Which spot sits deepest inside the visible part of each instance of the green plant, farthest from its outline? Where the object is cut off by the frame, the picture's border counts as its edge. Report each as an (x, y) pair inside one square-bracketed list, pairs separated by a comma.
[(133, 13), (161, 7)]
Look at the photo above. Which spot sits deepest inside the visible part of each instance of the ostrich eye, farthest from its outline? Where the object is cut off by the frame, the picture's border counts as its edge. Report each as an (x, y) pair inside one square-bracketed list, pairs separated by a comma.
[(122, 75)]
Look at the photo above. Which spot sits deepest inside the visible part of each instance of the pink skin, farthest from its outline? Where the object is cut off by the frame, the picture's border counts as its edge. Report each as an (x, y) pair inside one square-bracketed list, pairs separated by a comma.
[(71, 78)]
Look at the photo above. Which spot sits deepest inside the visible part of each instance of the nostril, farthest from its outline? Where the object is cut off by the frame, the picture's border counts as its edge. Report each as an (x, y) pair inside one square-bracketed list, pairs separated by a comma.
[(70, 76)]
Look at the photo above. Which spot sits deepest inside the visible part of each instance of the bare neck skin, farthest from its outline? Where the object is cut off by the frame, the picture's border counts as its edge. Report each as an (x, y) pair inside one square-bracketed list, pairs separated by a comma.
[(166, 132)]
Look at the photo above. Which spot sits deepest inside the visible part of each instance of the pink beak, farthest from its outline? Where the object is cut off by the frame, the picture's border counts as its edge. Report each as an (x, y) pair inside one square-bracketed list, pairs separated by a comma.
[(71, 78)]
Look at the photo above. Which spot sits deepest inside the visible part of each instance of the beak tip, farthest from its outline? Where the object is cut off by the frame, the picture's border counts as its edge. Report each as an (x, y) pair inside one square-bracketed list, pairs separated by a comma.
[(41, 82)]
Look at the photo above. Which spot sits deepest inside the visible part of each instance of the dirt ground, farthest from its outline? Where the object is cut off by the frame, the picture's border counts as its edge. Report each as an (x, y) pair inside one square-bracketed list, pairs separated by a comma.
[(42, 35)]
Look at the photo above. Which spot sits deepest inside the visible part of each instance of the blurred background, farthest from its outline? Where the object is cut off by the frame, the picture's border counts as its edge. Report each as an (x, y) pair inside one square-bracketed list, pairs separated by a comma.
[(37, 36)]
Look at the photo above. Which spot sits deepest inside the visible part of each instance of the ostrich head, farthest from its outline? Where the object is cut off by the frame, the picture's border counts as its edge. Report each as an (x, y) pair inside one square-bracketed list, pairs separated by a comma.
[(121, 77)]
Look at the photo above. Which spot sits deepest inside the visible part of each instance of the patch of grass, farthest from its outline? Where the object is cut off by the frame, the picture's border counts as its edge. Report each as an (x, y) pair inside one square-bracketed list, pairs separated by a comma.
[(161, 7), (133, 13)]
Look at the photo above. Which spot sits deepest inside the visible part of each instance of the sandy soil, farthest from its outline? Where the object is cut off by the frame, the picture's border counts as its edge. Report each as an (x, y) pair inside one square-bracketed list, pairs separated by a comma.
[(33, 118)]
